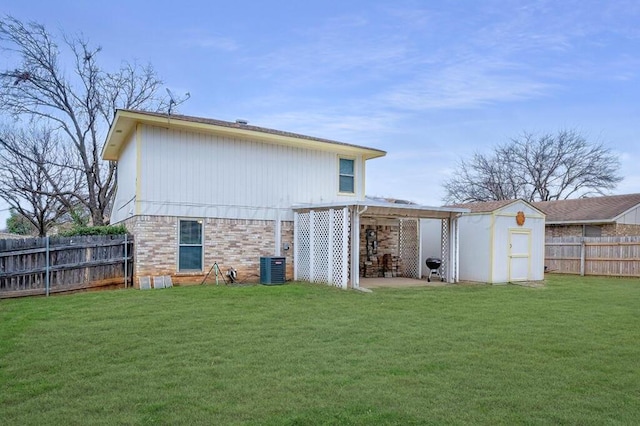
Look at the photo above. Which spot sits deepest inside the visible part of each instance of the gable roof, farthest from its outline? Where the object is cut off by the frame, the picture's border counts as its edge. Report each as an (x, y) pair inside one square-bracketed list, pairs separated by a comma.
[(492, 206), (485, 206), (125, 122), (588, 210)]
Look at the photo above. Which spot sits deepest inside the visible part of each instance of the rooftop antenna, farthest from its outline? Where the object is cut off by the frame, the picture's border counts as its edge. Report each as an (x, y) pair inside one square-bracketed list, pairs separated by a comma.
[(173, 102)]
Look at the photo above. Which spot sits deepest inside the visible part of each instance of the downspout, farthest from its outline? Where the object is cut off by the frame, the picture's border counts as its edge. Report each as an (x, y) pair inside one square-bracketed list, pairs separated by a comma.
[(355, 247), (418, 220), (491, 250), (277, 234), (582, 249), (296, 256), (456, 253)]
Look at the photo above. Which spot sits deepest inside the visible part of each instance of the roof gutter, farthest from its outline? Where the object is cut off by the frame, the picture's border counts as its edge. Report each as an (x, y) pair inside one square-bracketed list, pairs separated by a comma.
[(581, 222)]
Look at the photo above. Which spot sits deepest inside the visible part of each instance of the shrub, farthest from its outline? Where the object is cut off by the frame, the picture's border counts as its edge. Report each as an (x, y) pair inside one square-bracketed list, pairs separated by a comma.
[(95, 230)]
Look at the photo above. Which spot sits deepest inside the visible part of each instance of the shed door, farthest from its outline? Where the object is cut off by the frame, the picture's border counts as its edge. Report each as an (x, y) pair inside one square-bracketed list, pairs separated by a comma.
[(519, 254)]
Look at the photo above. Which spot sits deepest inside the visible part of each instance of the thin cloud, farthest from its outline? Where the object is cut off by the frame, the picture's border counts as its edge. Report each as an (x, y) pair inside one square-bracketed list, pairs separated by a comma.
[(489, 65), (472, 82), (332, 124), (202, 39)]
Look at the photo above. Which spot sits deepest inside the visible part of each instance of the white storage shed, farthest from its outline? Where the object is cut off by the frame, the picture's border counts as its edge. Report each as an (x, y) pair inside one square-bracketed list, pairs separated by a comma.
[(501, 242)]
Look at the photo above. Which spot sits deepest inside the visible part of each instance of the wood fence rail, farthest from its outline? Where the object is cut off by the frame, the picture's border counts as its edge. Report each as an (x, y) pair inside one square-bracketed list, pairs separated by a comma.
[(606, 256), (38, 266)]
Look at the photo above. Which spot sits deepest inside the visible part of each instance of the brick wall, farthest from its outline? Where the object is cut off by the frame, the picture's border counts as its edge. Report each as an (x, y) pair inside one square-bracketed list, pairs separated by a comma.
[(388, 243), (228, 242), (608, 230), (621, 230), (563, 231)]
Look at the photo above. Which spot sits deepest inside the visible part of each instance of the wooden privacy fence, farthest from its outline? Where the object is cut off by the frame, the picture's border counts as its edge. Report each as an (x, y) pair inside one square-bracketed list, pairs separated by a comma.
[(607, 256), (47, 265)]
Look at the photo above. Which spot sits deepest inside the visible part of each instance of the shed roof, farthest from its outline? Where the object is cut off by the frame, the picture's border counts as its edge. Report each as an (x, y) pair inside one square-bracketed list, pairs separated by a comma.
[(485, 206), (588, 210), (492, 206), (125, 121)]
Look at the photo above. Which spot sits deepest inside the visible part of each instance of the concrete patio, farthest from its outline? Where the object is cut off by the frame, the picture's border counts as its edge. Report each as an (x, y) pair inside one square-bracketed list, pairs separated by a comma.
[(399, 282)]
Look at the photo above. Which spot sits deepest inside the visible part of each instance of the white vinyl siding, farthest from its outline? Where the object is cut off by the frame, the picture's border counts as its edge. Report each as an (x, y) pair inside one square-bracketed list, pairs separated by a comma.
[(124, 203), (631, 217), (475, 247), (189, 174)]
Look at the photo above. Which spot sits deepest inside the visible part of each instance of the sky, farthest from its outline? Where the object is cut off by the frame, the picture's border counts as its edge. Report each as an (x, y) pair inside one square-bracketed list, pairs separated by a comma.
[(430, 82)]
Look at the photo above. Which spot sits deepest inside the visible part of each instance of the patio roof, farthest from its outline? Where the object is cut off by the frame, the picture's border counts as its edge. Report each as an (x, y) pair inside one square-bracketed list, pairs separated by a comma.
[(377, 208)]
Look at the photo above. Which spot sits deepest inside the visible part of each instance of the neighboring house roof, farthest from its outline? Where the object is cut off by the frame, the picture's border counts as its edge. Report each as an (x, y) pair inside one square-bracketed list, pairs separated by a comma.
[(125, 122), (588, 210), (11, 236)]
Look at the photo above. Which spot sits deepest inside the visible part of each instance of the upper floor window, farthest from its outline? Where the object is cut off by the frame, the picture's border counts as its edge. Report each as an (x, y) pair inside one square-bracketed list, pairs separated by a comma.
[(347, 175)]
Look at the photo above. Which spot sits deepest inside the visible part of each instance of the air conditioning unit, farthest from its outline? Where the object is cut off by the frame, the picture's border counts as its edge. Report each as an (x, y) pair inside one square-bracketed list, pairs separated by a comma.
[(273, 270)]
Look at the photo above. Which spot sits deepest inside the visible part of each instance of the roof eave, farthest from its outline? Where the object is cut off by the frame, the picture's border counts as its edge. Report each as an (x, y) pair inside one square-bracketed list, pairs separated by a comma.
[(517, 201), (626, 212), (125, 121), (119, 130)]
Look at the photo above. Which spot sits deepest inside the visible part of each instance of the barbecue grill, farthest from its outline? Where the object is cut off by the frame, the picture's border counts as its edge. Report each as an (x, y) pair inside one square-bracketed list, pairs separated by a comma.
[(433, 263)]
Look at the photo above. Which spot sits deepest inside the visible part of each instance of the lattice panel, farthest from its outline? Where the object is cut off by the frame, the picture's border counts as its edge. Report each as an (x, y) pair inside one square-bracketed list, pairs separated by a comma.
[(445, 247), (321, 246), (303, 253), (340, 247), (409, 248)]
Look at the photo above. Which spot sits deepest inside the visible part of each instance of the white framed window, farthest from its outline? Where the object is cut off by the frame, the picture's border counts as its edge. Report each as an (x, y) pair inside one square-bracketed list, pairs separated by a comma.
[(190, 245), (347, 176)]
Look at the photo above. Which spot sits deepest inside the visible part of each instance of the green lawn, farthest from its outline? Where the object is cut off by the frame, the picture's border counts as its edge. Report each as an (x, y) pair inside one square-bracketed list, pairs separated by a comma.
[(568, 353)]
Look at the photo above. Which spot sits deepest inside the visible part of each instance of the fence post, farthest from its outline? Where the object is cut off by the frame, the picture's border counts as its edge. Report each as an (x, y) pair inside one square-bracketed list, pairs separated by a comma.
[(126, 266), (582, 256), (46, 255)]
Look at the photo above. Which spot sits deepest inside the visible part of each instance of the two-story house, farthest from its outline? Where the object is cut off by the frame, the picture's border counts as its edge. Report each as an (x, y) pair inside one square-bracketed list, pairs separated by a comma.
[(196, 191)]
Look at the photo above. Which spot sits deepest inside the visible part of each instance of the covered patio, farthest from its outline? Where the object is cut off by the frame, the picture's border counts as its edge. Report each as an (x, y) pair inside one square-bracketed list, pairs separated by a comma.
[(340, 242)]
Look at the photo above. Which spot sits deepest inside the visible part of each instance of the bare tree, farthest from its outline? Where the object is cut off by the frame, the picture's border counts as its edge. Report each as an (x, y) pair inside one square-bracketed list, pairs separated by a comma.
[(35, 179), (536, 168), (77, 101), (482, 178)]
